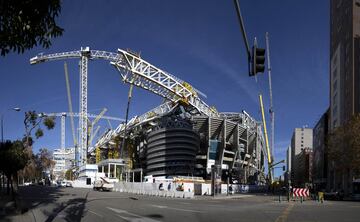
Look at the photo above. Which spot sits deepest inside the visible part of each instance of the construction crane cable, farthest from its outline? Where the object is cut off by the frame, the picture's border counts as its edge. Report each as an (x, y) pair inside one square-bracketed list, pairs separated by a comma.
[(70, 103)]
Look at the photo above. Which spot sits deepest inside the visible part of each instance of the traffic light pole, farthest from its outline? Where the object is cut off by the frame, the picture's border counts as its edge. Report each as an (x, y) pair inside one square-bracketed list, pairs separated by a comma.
[(242, 27)]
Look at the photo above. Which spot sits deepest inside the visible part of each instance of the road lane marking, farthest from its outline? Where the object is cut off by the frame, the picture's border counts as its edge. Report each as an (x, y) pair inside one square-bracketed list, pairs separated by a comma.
[(138, 218), (172, 208), (185, 203), (99, 215), (284, 215)]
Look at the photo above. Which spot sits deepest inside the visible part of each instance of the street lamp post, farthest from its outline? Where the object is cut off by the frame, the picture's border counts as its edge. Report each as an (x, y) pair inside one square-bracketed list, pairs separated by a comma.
[(2, 122)]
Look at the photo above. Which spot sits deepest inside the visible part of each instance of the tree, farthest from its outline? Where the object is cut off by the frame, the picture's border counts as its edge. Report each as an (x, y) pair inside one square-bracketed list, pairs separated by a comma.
[(12, 159), (344, 146), (28, 23), (69, 174), (44, 161), (32, 121)]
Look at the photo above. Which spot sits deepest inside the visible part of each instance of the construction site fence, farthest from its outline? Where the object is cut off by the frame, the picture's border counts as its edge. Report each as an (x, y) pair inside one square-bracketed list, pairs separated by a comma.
[(175, 190), (184, 190)]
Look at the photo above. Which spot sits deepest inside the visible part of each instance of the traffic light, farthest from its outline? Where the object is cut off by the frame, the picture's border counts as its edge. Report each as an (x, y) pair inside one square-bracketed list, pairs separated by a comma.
[(283, 168), (258, 60)]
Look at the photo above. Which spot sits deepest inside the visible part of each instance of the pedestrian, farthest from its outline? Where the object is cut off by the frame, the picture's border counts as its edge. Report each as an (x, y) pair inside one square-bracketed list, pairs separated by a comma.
[(161, 186), (169, 187), (230, 189)]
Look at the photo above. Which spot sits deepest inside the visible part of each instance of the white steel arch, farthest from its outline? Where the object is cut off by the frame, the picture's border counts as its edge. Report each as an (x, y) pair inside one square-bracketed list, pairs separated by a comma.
[(133, 70)]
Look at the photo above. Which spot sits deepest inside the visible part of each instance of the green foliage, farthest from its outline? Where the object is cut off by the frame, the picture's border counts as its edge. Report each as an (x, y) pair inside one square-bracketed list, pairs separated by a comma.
[(28, 23), (69, 175), (39, 133), (344, 145), (12, 157), (32, 121), (49, 122)]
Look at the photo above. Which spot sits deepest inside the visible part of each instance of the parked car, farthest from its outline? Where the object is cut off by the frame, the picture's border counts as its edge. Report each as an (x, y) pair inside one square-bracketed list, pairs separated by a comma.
[(61, 184), (69, 184), (41, 182)]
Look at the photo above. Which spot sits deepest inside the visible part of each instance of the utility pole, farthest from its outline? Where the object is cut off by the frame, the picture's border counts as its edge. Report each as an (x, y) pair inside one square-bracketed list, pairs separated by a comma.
[(271, 109)]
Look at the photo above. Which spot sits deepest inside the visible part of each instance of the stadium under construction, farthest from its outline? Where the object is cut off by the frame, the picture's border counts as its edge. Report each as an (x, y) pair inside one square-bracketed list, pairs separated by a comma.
[(183, 136)]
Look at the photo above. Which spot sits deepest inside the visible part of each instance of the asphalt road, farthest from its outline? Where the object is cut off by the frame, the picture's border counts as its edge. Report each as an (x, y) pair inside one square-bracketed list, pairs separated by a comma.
[(41, 203)]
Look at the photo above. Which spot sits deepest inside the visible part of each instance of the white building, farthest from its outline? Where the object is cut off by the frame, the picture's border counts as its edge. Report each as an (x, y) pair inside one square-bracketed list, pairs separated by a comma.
[(64, 160), (302, 138)]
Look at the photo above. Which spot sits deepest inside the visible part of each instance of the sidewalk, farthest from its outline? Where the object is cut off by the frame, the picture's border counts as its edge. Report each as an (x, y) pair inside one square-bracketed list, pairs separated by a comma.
[(9, 210)]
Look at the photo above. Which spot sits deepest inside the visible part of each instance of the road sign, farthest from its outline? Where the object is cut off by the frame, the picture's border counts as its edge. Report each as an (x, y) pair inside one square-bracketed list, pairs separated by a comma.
[(301, 192)]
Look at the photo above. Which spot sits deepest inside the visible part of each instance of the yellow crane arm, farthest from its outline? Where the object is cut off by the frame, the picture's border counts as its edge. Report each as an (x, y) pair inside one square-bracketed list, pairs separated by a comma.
[(266, 137)]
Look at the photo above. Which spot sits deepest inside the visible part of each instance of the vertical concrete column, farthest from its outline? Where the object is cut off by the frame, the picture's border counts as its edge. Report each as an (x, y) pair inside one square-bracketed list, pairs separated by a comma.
[(115, 170), (141, 175), (108, 170), (102, 168)]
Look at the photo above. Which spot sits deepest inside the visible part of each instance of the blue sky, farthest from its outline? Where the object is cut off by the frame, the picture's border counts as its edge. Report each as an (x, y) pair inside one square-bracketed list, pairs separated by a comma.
[(197, 41)]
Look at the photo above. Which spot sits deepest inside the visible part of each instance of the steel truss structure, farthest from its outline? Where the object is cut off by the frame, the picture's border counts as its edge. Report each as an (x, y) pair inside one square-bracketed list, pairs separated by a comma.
[(133, 70), (180, 97), (84, 54)]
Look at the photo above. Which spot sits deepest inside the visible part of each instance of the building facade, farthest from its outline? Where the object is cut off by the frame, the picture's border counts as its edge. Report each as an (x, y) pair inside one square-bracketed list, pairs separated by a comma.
[(304, 160), (64, 160), (320, 152), (344, 77), (302, 138)]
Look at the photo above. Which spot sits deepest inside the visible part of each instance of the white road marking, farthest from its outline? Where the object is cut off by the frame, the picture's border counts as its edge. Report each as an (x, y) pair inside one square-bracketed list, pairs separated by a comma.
[(185, 203), (99, 215), (172, 208), (138, 218)]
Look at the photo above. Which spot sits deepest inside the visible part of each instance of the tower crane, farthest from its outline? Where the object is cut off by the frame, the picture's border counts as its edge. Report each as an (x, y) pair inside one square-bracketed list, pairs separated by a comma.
[(84, 54), (133, 69), (63, 116)]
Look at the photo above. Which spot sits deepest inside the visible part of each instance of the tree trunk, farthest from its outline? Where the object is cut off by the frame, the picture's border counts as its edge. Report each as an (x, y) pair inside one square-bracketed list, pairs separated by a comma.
[(8, 185), (12, 187)]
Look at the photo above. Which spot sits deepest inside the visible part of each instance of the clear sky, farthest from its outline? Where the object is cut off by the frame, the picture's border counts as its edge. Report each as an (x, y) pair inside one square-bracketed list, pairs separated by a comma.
[(197, 41)]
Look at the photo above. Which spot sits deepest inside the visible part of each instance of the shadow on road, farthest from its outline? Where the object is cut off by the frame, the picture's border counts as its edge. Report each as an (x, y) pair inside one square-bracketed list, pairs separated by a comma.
[(31, 197), (72, 210)]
